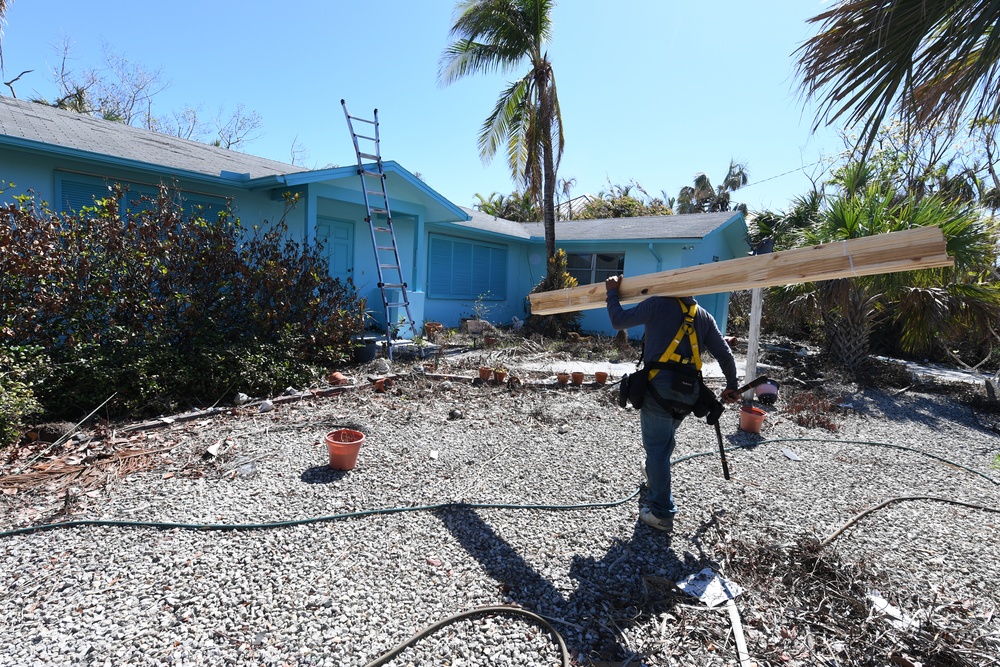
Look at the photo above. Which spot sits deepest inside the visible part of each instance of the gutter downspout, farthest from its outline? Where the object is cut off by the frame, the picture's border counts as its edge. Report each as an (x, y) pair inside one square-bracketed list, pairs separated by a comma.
[(659, 260)]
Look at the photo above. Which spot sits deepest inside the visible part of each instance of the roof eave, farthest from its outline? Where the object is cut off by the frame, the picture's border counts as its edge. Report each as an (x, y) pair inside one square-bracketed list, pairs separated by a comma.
[(33, 146)]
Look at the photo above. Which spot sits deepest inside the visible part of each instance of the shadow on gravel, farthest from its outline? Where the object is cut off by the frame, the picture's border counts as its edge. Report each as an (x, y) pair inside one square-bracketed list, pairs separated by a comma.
[(609, 590), (323, 474)]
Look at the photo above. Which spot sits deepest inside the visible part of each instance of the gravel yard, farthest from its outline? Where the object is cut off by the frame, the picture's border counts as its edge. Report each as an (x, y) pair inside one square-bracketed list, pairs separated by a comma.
[(345, 591)]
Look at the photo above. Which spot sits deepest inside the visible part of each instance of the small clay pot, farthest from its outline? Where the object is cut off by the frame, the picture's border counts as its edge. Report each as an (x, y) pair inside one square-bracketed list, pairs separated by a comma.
[(499, 376), (600, 377), (343, 446), (578, 377), (485, 372), (562, 379), (751, 419)]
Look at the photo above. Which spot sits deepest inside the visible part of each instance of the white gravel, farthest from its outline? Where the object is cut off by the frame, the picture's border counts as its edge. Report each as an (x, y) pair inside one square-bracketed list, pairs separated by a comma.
[(343, 592)]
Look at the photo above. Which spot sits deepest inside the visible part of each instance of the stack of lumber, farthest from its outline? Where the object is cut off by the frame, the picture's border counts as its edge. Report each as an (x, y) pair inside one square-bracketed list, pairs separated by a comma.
[(908, 250)]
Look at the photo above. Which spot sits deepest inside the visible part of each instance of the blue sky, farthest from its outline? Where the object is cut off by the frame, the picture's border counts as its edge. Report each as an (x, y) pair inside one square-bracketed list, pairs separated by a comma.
[(651, 90)]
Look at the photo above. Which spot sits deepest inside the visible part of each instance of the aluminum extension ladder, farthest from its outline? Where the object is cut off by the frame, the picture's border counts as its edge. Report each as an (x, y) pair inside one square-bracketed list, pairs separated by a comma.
[(390, 272)]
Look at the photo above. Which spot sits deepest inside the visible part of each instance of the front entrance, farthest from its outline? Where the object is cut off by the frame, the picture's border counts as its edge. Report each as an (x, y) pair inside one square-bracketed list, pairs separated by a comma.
[(337, 237)]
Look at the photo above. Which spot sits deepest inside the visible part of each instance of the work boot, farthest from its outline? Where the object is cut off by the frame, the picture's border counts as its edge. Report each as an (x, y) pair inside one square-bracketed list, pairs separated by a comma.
[(647, 517)]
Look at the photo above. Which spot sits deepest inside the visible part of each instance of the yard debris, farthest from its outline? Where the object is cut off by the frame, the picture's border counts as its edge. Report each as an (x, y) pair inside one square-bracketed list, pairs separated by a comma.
[(266, 406), (896, 617), (337, 378), (709, 587), (790, 454)]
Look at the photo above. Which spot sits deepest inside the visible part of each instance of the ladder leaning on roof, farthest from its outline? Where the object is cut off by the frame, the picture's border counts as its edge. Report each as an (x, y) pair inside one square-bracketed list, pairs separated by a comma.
[(390, 273)]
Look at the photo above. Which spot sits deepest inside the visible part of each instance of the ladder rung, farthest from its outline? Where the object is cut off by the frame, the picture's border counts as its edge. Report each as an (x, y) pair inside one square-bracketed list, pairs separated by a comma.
[(397, 305), (388, 266), (370, 156), (385, 247), (376, 193), (393, 285), (379, 210), (373, 174), (383, 229)]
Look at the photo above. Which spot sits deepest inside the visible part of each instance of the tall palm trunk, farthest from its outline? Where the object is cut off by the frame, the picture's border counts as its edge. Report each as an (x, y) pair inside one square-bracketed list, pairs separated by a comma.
[(848, 313), (549, 196)]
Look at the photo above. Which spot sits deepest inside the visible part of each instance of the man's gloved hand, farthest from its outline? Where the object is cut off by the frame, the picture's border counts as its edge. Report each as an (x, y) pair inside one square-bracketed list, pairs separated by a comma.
[(730, 395), (613, 283)]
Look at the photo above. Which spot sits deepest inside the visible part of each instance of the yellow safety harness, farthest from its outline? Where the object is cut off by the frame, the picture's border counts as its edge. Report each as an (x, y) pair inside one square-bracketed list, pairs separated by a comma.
[(686, 329)]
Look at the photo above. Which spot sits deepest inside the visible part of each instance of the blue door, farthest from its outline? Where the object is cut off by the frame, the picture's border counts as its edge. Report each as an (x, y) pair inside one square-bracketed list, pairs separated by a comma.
[(337, 237)]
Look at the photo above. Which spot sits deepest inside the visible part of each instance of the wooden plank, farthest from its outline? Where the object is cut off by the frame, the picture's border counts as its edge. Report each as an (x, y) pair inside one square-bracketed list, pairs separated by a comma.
[(908, 250), (741, 641)]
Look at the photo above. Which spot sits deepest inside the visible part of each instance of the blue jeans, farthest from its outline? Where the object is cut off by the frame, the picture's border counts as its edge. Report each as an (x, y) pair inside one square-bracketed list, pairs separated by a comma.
[(658, 429)]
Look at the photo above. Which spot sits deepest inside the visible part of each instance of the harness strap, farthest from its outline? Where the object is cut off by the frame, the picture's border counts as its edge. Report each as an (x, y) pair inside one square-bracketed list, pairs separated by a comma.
[(686, 329)]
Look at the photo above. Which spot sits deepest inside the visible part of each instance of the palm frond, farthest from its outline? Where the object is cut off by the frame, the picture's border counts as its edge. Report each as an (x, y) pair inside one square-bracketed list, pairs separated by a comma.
[(923, 60)]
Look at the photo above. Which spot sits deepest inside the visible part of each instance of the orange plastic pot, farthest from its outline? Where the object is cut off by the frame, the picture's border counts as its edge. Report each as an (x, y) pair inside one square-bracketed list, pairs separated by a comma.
[(344, 445), (751, 419)]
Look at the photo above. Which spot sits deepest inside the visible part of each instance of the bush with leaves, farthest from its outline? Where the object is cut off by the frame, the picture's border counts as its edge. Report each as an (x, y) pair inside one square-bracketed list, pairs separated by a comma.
[(556, 277), (163, 308)]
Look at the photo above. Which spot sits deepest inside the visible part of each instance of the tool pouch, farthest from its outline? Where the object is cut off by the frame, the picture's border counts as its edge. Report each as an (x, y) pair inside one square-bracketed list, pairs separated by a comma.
[(685, 378), (707, 405), (632, 389)]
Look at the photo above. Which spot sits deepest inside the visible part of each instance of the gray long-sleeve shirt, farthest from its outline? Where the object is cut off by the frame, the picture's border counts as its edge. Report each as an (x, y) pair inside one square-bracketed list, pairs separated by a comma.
[(662, 317)]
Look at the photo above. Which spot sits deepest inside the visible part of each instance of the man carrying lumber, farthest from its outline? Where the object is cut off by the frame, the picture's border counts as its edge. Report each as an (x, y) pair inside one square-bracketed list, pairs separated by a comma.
[(674, 329)]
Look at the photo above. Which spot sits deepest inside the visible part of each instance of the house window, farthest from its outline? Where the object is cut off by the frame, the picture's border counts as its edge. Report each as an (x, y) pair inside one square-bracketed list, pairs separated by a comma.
[(590, 268), (459, 269), (78, 192)]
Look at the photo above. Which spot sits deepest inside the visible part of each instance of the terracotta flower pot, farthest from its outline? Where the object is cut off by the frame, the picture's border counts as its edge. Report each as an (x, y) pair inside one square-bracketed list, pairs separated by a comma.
[(431, 329), (600, 377), (577, 377), (343, 446), (485, 372), (499, 376), (562, 379), (751, 419)]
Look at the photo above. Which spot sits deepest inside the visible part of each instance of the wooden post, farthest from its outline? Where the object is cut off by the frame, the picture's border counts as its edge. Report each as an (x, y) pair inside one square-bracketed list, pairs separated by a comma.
[(753, 339)]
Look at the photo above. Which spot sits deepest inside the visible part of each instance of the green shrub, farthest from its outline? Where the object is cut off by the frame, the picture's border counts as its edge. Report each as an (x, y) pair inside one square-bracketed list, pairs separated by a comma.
[(17, 400), (169, 311)]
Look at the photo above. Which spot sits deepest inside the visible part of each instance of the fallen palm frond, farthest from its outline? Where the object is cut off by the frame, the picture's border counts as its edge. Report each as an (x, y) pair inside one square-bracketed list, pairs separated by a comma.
[(61, 473)]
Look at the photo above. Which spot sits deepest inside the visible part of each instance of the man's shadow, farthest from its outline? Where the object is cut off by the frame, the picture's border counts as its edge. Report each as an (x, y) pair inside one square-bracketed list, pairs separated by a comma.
[(605, 588)]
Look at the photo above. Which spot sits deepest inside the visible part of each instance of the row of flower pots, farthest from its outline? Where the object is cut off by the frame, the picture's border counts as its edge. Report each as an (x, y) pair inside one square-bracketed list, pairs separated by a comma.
[(577, 377), (499, 375)]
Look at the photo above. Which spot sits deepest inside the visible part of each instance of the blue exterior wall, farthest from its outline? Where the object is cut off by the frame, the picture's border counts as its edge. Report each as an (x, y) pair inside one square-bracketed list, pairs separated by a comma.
[(45, 176), (331, 201)]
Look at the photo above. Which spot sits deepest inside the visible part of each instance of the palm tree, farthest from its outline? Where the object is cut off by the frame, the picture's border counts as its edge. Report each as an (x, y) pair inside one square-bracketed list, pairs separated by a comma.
[(928, 61), (566, 186), (925, 310), (517, 206), (500, 35), (704, 198)]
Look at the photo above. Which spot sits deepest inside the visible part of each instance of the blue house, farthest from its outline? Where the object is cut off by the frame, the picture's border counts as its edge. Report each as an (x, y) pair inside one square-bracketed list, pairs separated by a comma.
[(456, 260)]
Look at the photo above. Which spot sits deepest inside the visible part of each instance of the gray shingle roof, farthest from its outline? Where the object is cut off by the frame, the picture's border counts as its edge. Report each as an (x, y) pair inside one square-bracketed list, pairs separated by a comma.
[(487, 223), (80, 132), (693, 226)]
